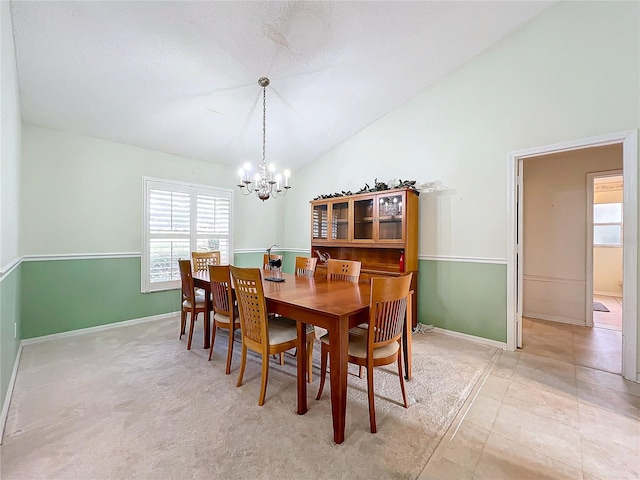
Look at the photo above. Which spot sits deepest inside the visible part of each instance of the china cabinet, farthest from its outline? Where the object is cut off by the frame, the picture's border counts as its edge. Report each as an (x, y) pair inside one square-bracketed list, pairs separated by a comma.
[(380, 229)]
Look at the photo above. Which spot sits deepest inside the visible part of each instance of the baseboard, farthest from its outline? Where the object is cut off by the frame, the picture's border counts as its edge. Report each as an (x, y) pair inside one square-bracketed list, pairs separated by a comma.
[(472, 338), (97, 328), (552, 318), (7, 399), (609, 294)]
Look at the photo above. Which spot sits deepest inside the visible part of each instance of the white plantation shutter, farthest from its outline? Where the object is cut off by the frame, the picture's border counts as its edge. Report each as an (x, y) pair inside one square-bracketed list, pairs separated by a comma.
[(180, 218), (213, 224)]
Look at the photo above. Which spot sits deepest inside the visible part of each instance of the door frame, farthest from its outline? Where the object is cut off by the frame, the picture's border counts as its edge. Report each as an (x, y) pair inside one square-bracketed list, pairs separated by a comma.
[(590, 271), (629, 141)]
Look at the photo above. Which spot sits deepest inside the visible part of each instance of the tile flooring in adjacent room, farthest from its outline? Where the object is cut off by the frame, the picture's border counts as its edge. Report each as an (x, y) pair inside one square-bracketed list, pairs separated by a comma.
[(548, 411), (612, 319)]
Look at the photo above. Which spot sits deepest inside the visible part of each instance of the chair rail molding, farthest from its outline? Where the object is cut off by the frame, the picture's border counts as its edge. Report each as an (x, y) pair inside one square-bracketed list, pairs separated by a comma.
[(10, 267), (452, 258), (79, 256)]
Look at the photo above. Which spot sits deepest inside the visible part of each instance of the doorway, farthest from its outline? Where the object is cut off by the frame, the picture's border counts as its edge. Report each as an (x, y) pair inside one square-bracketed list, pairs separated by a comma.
[(606, 206), (516, 254)]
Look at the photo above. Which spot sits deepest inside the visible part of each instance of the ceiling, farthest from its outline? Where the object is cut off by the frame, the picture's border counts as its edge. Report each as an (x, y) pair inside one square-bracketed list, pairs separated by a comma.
[(181, 77)]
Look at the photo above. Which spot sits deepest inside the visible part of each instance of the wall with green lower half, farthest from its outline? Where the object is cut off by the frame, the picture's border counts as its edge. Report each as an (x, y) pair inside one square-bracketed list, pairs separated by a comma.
[(10, 288), (81, 197), (75, 294), (10, 214), (464, 297), (571, 73)]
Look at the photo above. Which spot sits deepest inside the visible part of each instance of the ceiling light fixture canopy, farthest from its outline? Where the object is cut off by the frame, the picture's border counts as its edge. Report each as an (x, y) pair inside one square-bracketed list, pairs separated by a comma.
[(266, 183)]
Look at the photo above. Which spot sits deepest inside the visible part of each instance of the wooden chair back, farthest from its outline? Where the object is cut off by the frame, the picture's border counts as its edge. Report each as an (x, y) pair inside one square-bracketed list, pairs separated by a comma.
[(191, 303), (387, 308), (343, 270), (221, 289), (188, 289), (252, 307), (202, 260), (306, 266), (265, 260)]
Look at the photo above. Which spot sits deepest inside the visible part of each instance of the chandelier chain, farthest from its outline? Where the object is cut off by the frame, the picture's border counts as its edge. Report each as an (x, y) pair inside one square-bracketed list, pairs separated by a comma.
[(264, 122)]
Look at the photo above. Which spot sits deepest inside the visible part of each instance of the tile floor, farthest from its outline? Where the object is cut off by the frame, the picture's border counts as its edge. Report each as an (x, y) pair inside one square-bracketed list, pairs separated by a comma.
[(548, 411), (598, 348), (613, 318)]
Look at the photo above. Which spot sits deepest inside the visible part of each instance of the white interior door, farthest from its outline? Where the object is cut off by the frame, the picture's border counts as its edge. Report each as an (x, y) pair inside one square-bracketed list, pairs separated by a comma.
[(519, 253)]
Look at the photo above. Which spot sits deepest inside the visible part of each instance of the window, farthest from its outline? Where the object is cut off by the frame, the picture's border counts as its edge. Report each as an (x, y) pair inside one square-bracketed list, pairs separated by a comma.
[(180, 218), (607, 224)]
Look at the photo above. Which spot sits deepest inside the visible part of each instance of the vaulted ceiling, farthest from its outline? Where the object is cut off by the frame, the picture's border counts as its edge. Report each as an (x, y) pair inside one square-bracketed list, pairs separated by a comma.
[(181, 77)]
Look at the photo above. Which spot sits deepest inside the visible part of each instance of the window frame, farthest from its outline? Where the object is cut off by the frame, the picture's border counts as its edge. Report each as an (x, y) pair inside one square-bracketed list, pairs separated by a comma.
[(150, 183), (605, 224)]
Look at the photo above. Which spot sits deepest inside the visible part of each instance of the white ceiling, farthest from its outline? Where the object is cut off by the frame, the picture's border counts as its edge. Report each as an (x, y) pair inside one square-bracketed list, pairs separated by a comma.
[(181, 77)]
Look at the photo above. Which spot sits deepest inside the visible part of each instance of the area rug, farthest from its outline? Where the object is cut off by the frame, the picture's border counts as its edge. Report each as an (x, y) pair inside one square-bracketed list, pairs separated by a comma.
[(132, 402), (599, 307)]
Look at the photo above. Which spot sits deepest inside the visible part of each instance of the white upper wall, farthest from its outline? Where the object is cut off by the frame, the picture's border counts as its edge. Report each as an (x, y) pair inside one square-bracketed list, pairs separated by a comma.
[(573, 72), (10, 126), (82, 195)]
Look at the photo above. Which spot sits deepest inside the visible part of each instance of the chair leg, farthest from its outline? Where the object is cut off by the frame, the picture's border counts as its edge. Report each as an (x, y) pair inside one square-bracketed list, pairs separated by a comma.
[(401, 375), (310, 360), (213, 338), (206, 320), (324, 354), (265, 378), (243, 362), (183, 322), (361, 372), (191, 325), (372, 407), (230, 351), (281, 358)]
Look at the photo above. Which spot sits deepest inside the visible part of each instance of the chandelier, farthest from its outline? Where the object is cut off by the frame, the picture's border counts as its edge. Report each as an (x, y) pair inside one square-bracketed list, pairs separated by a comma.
[(266, 183)]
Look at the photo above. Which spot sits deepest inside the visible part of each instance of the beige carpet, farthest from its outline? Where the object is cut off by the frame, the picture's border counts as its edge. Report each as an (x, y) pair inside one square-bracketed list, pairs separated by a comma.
[(131, 402)]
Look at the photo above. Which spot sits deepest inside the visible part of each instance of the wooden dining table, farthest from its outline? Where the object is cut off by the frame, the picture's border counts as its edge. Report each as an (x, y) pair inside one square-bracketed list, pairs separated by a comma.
[(334, 306)]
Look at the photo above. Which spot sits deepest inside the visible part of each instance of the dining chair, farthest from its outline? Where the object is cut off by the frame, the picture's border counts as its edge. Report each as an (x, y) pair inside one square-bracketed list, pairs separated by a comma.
[(261, 333), (381, 343), (265, 260), (343, 270), (200, 262), (192, 303), (306, 266), (225, 312), (346, 270)]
